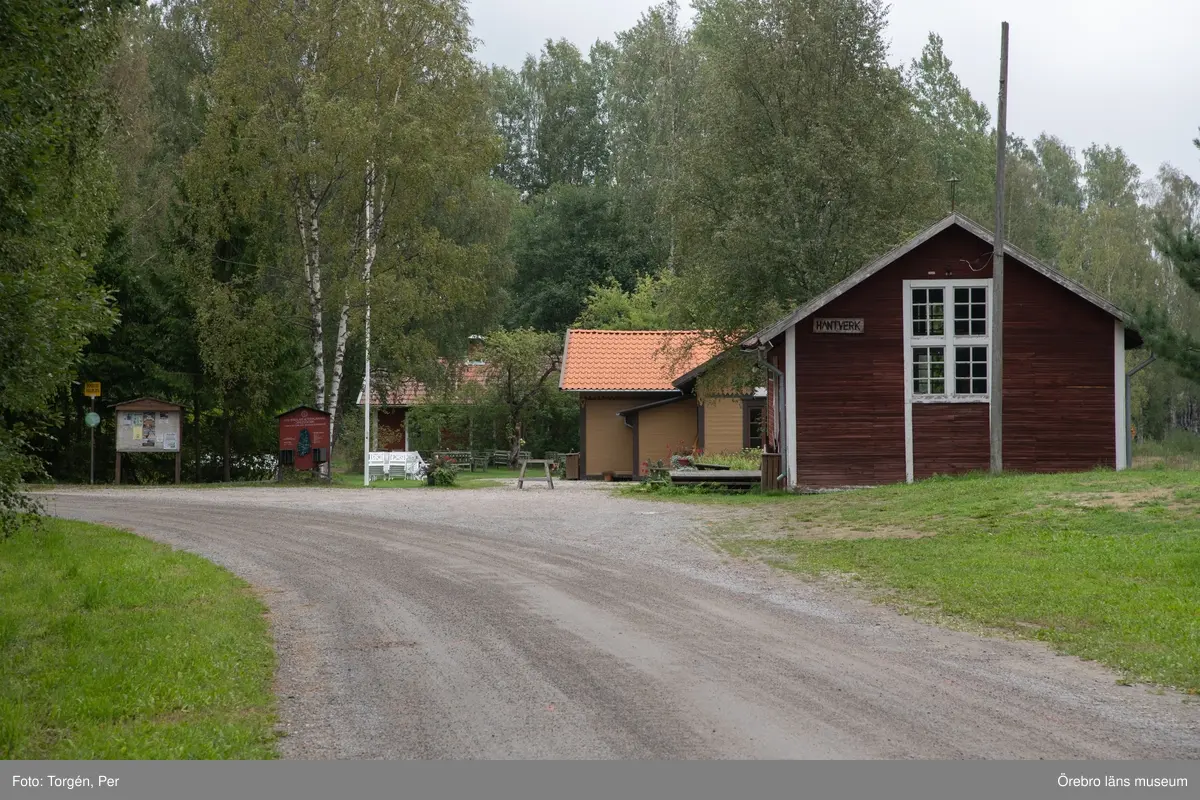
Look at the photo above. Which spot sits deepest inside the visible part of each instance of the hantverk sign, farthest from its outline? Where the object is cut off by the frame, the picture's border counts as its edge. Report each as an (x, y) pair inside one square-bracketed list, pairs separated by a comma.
[(838, 326)]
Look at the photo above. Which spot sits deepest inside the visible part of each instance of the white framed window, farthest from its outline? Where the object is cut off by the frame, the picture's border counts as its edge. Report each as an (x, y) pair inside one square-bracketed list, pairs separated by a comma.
[(947, 340)]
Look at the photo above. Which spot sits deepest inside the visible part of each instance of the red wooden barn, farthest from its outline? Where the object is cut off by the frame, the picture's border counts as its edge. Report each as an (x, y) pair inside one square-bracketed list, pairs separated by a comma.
[(884, 377), (303, 438)]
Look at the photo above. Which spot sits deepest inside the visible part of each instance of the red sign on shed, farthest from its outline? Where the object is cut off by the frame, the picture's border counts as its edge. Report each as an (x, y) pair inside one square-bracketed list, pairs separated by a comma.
[(303, 438)]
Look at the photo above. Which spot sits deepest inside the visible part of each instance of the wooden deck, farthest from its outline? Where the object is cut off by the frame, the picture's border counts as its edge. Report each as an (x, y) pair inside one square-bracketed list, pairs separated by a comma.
[(733, 478)]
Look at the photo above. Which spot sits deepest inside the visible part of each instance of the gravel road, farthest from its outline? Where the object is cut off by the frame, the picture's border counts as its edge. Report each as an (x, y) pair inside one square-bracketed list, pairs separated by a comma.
[(496, 623)]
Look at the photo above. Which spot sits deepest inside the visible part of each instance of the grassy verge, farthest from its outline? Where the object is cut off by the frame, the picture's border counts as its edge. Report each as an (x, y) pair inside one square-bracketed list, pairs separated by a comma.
[(1178, 450), (114, 647), (1103, 565)]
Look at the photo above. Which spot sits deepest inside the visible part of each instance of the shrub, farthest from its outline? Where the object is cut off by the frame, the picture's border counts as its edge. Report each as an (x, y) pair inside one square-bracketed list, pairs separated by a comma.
[(742, 459), (442, 471)]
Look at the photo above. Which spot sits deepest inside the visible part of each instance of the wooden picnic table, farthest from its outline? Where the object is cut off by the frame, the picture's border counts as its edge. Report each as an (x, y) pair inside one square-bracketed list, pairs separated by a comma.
[(549, 479)]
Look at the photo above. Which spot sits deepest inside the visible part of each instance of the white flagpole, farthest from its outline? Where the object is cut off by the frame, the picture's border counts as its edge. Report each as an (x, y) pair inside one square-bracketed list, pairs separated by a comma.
[(367, 394)]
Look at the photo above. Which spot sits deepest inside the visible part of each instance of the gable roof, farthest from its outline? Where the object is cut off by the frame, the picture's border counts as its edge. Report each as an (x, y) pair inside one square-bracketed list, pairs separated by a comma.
[(411, 392), (631, 361), (146, 404), (766, 334)]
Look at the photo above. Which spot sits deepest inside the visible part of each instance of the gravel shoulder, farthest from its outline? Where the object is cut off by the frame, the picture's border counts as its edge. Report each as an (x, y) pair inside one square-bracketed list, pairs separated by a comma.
[(497, 623)]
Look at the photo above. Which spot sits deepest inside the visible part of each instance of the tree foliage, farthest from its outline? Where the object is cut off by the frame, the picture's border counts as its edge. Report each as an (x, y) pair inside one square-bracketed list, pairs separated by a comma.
[(566, 241), (362, 124), (56, 197), (647, 307), (520, 364), (804, 155), (1178, 239)]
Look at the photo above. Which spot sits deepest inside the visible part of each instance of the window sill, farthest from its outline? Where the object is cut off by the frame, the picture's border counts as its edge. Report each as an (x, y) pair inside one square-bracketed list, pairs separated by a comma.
[(945, 399)]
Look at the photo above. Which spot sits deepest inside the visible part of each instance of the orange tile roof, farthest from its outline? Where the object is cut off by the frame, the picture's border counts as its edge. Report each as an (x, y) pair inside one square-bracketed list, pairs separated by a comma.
[(631, 361)]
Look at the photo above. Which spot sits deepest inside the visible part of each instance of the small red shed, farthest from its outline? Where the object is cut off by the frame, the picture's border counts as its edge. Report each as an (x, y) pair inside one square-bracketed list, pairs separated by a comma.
[(303, 438), (884, 377)]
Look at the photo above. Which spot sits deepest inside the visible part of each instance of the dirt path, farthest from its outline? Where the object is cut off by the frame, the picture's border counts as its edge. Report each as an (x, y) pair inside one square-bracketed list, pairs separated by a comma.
[(493, 623)]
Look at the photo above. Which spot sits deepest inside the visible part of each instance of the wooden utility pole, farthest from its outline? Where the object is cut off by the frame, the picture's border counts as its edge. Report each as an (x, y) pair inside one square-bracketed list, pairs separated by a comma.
[(997, 365)]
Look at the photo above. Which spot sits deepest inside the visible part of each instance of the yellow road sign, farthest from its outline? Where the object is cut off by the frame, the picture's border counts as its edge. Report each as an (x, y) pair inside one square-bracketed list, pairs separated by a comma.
[(91, 389)]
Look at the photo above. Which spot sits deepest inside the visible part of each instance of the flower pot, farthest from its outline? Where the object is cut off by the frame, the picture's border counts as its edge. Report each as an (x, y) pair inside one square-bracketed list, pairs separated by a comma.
[(610, 476)]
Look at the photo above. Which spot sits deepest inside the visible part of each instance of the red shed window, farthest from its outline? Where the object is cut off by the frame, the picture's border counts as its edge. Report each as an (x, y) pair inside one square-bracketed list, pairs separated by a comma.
[(934, 343)]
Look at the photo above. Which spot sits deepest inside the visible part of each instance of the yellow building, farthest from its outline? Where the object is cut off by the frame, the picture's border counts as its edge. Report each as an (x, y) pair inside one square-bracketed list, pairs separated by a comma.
[(631, 411)]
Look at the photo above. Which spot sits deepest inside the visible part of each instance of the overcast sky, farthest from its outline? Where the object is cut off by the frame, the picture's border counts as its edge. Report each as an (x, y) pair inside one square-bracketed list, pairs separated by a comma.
[(1121, 72)]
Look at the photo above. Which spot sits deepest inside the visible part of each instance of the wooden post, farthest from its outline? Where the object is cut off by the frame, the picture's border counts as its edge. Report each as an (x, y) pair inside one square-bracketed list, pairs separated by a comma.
[(772, 466), (996, 416), (178, 459), (118, 468), (92, 472)]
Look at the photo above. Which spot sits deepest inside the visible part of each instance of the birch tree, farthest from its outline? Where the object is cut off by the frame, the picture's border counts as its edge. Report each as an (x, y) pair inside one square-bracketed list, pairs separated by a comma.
[(357, 122)]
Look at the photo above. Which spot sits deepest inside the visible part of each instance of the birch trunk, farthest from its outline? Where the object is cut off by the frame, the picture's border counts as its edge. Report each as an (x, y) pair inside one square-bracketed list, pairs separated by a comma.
[(339, 356), (309, 225), (343, 332)]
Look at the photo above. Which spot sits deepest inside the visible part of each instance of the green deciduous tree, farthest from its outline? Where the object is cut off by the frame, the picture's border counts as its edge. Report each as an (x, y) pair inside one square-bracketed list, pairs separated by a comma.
[(1178, 240), (647, 307), (56, 198), (553, 118), (566, 241), (956, 136), (520, 364), (806, 158), (357, 123)]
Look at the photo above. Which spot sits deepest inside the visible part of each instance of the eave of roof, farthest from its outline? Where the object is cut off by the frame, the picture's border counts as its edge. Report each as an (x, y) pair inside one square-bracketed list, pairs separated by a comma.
[(646, 406), (769, 333)]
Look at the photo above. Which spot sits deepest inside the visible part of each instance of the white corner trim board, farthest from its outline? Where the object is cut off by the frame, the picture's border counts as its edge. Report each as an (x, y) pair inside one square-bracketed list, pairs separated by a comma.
[(791, 380), (908, 392), (1119, 392)]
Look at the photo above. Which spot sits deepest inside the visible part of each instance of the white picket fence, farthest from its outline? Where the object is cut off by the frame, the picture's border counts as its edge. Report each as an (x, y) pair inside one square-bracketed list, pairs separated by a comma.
[(396, 465)]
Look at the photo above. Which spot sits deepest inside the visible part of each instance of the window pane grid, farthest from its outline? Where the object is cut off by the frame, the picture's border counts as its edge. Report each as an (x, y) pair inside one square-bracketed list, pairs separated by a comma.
[(928, 312), (970, 311), (929, 370), (965, 336), (971, 370)]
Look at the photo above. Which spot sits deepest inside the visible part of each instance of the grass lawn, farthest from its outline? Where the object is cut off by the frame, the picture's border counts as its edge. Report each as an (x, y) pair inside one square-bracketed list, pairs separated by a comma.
[(1104, 565), (114, 647)]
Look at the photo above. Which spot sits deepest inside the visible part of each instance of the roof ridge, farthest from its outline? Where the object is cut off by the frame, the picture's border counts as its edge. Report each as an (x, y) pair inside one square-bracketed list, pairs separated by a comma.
[(637, 331), (804, 310)]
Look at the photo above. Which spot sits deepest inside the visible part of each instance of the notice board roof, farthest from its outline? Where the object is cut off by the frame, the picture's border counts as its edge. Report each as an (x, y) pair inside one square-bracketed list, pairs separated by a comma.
[(147, 404), (302, 408)]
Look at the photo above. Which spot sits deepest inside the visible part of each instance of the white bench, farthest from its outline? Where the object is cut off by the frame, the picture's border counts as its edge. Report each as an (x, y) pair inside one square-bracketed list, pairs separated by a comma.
[(407, 464)]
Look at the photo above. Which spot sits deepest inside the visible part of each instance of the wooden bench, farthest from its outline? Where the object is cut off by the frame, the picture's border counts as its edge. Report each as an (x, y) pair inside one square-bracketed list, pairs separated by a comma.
[(461, 458), (500, 457), (732, 479)]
